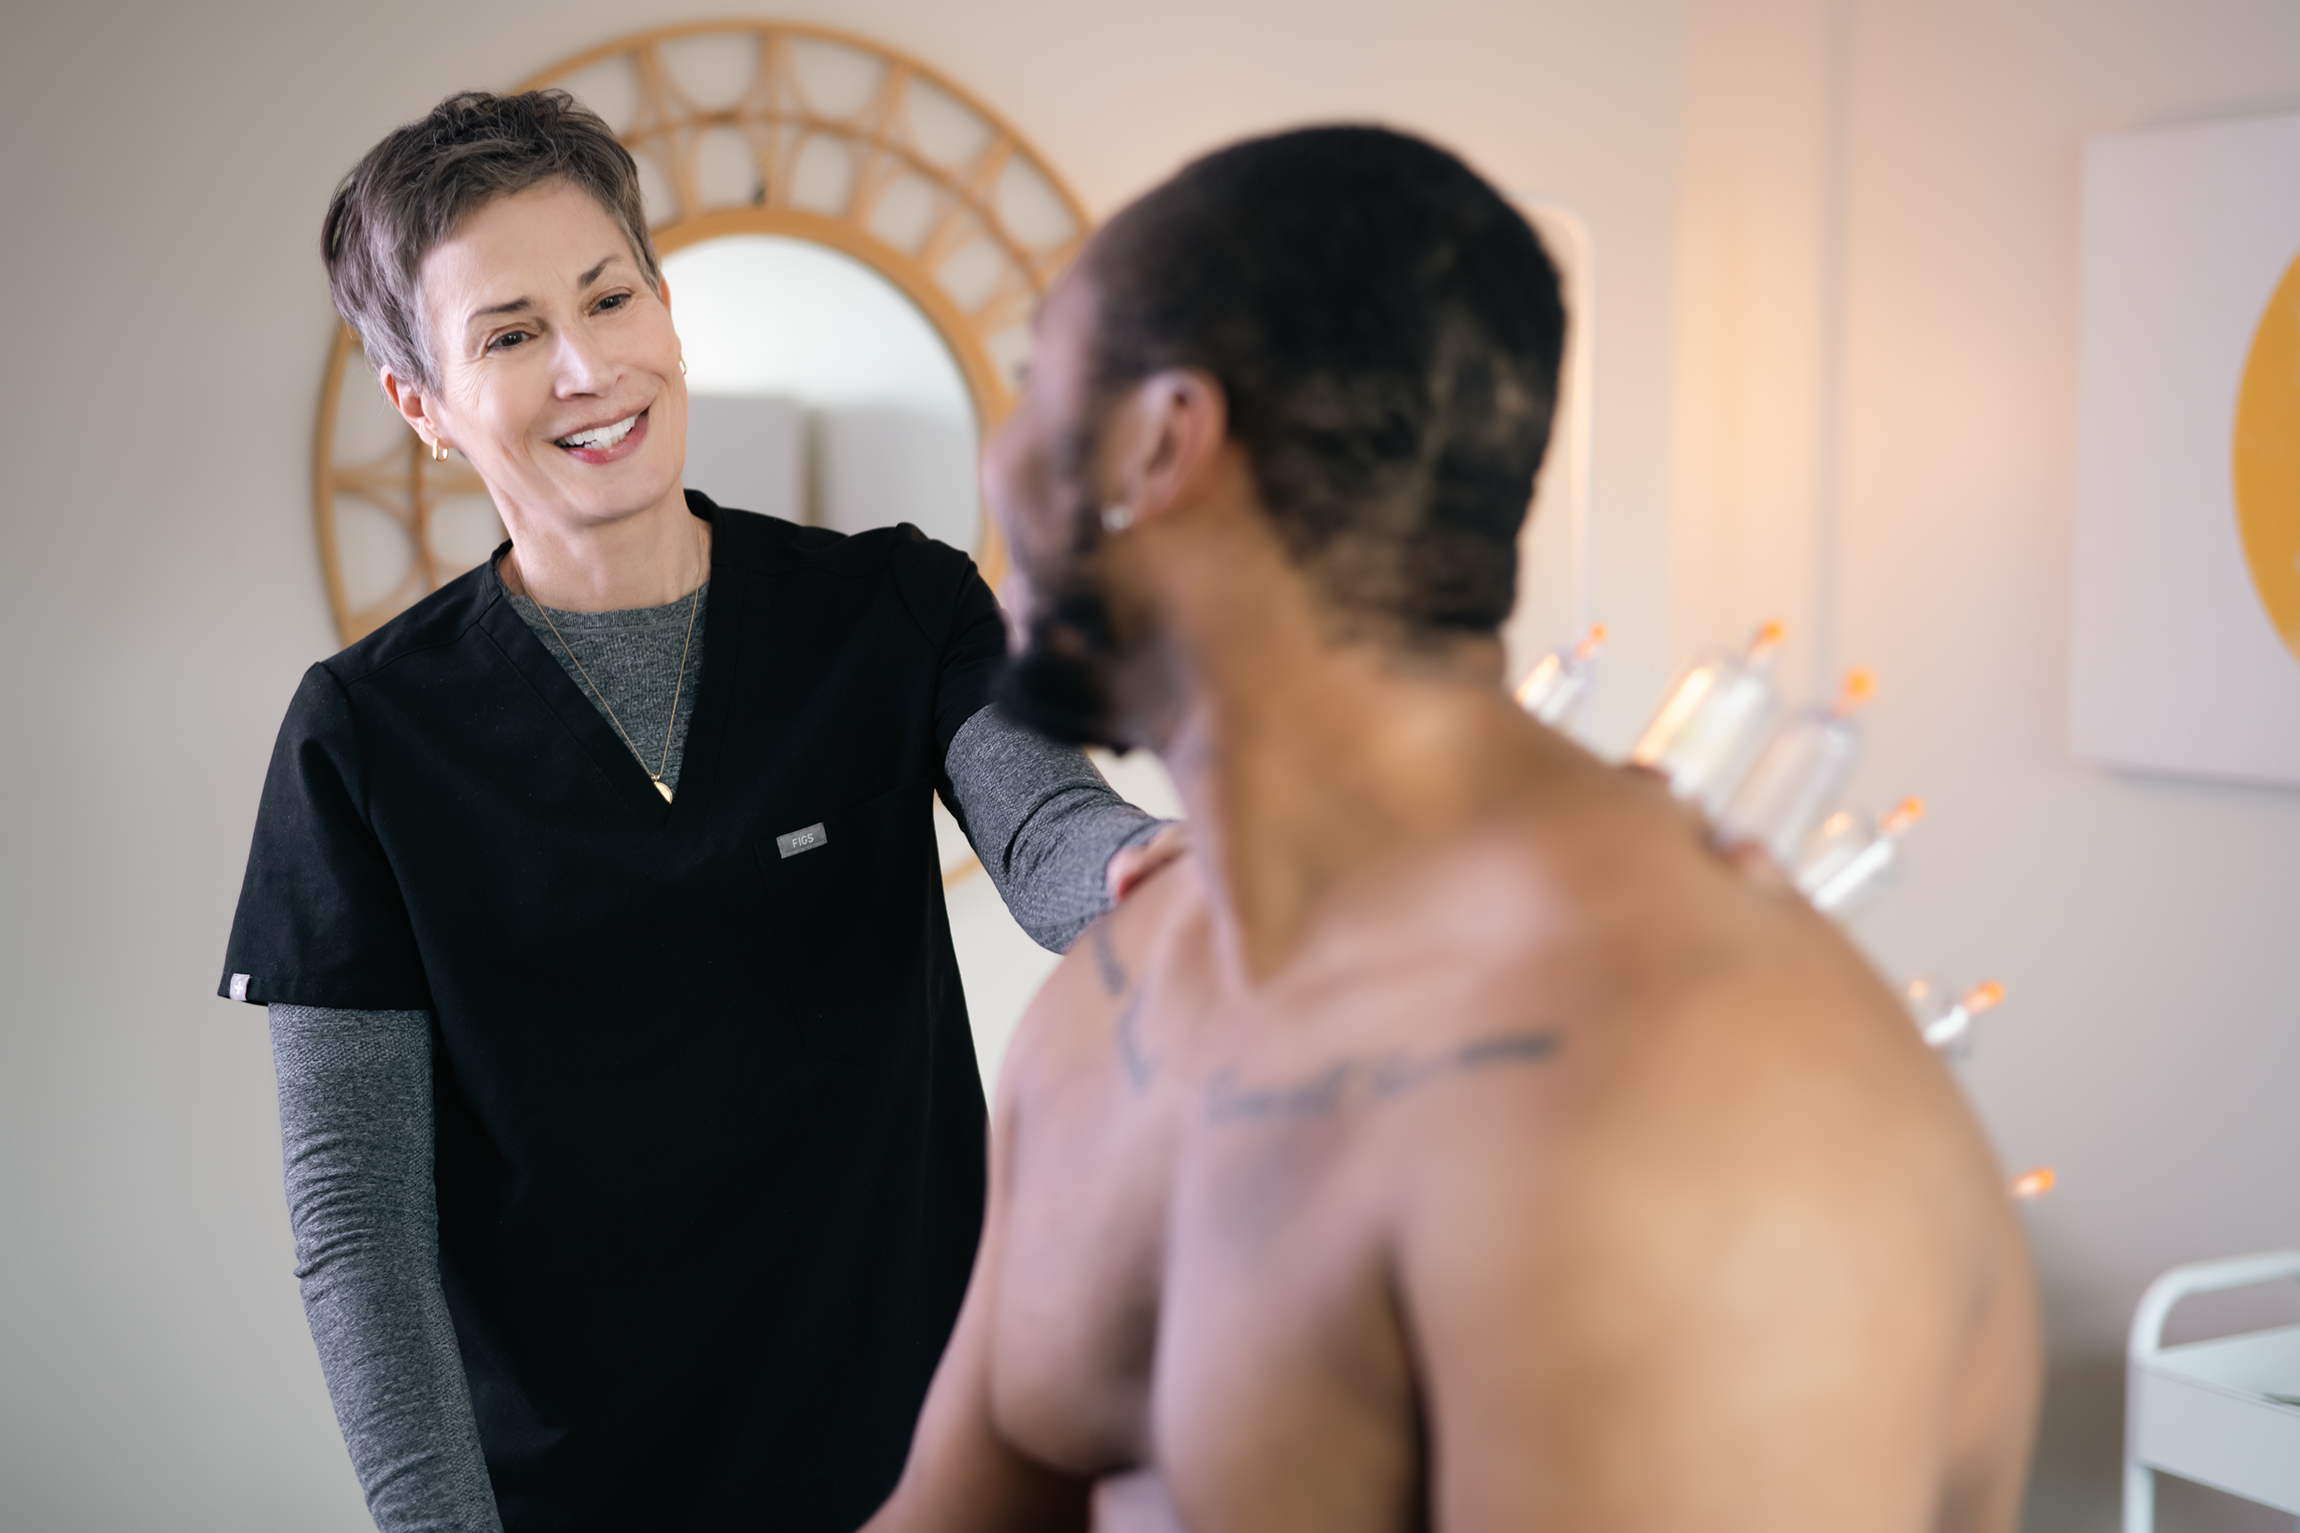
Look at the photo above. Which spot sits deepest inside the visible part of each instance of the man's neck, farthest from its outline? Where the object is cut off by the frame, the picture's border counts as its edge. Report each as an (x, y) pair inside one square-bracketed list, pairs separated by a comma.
[(1307, 763), (644, 560)]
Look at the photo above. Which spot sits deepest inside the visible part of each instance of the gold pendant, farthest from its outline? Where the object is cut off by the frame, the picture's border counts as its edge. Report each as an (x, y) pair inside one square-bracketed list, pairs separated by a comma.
[(659, 788)]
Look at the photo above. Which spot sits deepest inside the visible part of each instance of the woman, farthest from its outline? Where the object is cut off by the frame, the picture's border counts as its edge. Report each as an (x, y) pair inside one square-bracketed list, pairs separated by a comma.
[(633, 1131)]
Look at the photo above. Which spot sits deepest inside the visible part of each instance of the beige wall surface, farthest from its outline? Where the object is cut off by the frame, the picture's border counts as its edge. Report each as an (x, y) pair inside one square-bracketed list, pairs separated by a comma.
[(159, 592), (1877, 396)]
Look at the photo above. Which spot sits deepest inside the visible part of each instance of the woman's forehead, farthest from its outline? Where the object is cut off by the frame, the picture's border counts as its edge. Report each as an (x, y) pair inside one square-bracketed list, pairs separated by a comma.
[(548, 237)]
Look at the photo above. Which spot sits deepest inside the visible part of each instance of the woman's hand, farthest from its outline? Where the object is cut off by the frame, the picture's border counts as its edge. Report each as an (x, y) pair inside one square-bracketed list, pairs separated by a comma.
[(1752, 862), (1130, 865)]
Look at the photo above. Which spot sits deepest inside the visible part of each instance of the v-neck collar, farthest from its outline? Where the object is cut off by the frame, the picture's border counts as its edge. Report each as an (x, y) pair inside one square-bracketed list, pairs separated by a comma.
[(628, 779)]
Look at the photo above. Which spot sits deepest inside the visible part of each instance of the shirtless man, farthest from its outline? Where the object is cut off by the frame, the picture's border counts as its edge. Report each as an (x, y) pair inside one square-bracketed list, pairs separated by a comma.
[(1455, 1140)]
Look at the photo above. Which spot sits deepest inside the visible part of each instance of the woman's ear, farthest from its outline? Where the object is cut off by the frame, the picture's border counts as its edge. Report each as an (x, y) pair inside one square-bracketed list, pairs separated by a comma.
[(1173, 427), (412, 404)]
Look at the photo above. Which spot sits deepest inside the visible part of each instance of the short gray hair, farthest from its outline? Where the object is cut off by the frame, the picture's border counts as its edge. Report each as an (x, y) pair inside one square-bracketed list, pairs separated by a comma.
[(411, 191)]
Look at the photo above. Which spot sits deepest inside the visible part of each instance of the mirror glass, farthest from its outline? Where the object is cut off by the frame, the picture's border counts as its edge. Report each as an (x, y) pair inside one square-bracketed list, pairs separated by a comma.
[(819, 392)]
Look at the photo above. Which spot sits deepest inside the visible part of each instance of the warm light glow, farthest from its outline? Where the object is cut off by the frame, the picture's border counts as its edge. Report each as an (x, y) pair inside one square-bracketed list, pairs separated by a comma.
[(2033, 1183), (1558, 669), (1983, 998), (1538, 681), (1905, 814), (1682, 705), (1860, 686), (1838, 823), (1768, 638)]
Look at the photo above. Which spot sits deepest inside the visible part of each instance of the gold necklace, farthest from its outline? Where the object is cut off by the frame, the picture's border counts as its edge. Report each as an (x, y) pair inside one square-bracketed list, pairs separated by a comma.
[(694, 603)]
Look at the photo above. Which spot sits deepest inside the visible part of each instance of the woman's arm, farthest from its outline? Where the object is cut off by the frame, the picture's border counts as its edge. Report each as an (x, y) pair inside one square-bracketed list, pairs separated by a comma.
[(356, 1135), (1044, 822)]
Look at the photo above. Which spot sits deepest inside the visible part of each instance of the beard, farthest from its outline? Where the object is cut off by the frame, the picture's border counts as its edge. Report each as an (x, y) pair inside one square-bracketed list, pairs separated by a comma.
[(1061, 684)]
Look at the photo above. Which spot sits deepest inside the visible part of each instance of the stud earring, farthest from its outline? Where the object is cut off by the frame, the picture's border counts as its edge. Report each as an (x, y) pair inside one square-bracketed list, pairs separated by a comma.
[(438, 452), (1117, 517)]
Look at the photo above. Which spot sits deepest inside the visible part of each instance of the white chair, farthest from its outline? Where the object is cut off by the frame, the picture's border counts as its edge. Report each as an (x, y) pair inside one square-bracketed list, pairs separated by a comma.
[(2226, 1412)]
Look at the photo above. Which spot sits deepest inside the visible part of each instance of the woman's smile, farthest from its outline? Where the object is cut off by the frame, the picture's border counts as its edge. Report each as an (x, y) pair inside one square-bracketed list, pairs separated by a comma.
[(611, 443)]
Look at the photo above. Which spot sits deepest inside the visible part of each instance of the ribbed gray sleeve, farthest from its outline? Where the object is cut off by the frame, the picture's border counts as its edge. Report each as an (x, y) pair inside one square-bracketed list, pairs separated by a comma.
[(1044, 822), (356, 1135)]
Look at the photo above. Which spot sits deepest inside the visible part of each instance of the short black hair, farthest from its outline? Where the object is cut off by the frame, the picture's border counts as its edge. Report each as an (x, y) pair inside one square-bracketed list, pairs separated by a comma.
[(1387, 329)]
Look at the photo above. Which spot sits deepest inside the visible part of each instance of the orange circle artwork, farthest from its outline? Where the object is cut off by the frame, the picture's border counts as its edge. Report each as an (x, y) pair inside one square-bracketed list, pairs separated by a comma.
[(2266, 459)]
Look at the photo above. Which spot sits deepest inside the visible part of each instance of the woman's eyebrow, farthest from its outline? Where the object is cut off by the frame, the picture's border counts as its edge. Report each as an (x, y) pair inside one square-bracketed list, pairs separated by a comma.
[(517, 304), (513, 307), (592, 275)]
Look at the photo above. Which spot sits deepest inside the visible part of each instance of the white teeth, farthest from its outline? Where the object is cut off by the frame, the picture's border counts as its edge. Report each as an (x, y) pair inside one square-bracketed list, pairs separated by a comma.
[(601, 436)]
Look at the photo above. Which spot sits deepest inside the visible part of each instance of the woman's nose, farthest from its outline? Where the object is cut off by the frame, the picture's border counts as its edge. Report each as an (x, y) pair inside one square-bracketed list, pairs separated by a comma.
[(583, 367)]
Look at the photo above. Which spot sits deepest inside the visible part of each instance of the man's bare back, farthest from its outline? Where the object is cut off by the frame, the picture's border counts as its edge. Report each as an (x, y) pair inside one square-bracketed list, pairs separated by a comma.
[(1455, 1139)]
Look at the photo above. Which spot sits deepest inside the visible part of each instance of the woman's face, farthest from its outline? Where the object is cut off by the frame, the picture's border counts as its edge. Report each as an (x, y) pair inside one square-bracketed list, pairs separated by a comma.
[(558, 369)]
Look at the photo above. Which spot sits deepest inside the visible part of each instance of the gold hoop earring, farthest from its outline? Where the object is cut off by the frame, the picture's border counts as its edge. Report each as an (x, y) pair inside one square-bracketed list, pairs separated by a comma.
[(438, 452), (682, 364)]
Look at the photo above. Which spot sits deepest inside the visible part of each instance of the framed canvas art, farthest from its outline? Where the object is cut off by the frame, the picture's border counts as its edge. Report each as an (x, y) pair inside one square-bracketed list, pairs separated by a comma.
[(2186, 601)]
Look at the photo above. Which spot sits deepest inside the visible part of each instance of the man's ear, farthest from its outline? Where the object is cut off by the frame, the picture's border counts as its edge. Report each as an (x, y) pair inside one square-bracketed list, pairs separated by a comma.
[(410, 402), (1172, 428)]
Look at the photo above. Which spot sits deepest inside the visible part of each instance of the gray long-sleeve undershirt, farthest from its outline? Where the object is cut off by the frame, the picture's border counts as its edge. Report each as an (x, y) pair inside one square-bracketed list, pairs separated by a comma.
[(355, 1087), (355, 1133)]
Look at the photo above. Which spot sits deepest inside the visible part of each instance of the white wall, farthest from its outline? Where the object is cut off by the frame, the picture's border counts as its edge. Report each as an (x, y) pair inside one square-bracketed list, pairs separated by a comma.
[(163, 338), (1883, 194)]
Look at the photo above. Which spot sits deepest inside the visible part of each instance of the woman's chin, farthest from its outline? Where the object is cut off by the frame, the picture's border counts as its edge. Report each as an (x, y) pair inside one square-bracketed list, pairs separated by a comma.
[(595, 497)]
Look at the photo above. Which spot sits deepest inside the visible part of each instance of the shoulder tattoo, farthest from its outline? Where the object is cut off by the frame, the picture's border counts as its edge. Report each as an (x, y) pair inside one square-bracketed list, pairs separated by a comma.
[(1367, 1081), (1132, 1058)]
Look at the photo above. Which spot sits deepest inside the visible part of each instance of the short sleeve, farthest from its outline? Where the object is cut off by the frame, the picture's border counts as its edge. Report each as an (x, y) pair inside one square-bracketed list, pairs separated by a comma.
[(952, 602), (321, 921)]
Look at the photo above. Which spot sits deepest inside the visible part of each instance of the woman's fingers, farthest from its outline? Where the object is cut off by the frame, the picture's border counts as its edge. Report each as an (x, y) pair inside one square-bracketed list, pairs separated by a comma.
[(1755, 865), (1132, 864), (1746, 858)]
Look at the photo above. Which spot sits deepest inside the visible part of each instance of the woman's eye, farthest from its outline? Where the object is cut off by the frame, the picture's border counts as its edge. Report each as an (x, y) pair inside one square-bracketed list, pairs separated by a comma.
[(506, 340), (614, 301)]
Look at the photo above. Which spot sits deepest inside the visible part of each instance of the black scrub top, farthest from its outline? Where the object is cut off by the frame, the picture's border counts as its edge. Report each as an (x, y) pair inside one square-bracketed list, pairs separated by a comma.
[(710, 1136)]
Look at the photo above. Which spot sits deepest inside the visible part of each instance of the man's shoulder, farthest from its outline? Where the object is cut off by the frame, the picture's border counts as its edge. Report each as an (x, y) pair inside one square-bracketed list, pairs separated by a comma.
[(1068, 1023), (1670, 998), (1655, 1107), (1592, 892), (1651, 1101)]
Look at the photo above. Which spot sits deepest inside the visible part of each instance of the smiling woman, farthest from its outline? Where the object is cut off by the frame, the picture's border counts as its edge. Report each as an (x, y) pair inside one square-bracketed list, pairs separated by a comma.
[(750, 134), (558, 378), (634, 1135)]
